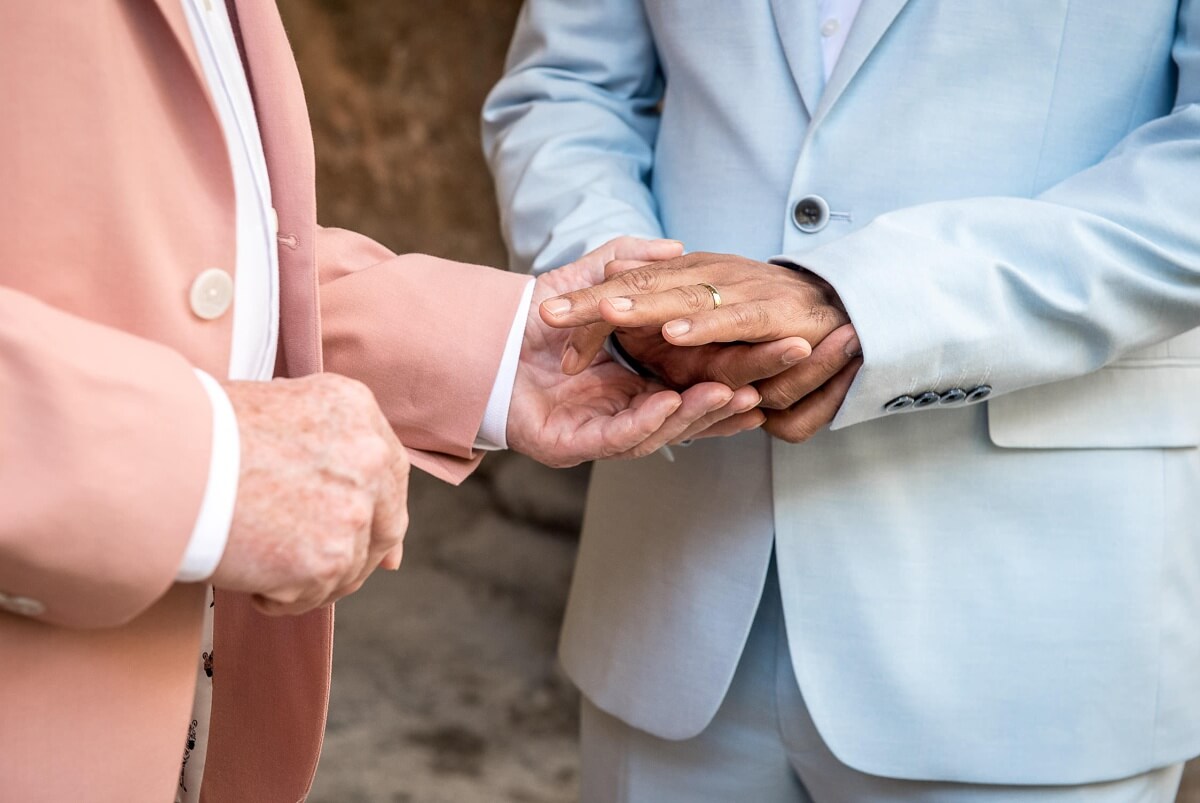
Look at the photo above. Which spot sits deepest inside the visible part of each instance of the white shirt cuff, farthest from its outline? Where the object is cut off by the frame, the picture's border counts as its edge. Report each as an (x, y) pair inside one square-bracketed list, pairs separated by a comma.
[(211, 533), (493, 432)]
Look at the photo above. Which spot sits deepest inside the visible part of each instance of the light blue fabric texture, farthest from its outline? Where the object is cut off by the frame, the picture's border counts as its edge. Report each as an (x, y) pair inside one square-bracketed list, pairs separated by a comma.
[(762, 747), (1006, 592)]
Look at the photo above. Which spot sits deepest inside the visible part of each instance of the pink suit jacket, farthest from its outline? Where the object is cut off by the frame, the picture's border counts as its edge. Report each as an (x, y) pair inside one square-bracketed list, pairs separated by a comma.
[(115, 192)]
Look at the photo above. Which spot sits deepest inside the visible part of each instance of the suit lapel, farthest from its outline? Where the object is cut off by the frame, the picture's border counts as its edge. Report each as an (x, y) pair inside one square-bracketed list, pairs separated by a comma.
[(271, 674), (798, 29), (287, 142), (873, 20)]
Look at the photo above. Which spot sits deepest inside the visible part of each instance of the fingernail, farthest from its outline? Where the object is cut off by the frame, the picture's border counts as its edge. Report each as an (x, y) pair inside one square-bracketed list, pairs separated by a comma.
[(853, 348), (795, 354), (557, 306), (621, 304), (678, 328), (750, 405)]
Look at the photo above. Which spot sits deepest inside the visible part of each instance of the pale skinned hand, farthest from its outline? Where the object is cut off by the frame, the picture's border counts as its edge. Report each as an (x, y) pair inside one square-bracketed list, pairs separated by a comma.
[(322, 494), (656, 307), (600, 410)]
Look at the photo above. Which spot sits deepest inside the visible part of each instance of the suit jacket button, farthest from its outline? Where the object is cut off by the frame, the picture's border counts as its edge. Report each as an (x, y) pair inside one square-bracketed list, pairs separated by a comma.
[(22, 606), (811, 214), (211, 294), (926, 399), (979, 394), (953, 396), (899, 403)]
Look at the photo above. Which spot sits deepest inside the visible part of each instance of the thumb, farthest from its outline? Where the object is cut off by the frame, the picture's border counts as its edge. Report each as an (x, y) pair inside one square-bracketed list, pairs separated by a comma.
[(391, 561), (644, 250)]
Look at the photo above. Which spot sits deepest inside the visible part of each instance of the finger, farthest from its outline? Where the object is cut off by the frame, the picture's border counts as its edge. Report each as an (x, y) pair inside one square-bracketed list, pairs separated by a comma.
[(274, 607), (829, 357), (635, 249), (583, 306), (391, 561), (734, 425), (609, 436), (818, 409), (613, 267), (743, 400), (740, 365), (390, 522), (583, 344), (657, 308), (751, 321), (697, 402)]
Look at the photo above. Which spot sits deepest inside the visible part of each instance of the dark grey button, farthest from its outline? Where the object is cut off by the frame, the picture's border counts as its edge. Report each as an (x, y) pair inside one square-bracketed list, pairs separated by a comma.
[(954, 396), (979, 394), (811, 214), (899, 403), (926, 399)]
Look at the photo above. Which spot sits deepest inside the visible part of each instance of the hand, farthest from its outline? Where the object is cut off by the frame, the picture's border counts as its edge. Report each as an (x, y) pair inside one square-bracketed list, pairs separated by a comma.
[(760, 302), (603, 410), (322, 495)]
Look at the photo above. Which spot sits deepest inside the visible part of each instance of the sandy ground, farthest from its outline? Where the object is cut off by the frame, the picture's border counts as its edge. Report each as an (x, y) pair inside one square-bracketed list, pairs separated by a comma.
[(445, 685)]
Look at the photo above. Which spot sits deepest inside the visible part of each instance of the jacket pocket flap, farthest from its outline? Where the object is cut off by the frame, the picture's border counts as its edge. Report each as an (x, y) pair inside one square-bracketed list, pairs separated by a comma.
[(1129, 405)]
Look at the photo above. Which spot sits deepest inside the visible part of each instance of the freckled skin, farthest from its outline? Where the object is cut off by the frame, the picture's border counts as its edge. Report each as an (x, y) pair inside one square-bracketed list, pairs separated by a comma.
[(322, 495)]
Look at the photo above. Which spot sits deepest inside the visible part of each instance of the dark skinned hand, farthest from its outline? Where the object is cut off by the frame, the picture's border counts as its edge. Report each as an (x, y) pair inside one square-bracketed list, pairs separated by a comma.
[(666, 319)]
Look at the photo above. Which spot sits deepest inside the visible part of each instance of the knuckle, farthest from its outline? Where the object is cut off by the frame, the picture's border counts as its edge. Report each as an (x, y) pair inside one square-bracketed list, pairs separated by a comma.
[(774, 398), (357, 517), (337, 564), (695, 298), (373, 454), (790, 428), (639, 281), (723, 373)]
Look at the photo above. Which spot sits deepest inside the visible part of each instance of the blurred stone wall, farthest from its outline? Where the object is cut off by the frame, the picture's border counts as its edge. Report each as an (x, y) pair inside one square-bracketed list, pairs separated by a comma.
[(395, 88), (445, 685)]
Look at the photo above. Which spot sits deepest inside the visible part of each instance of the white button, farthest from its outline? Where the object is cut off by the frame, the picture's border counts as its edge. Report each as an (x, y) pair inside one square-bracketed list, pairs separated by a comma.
[(23, 606), (211, 294), (274, 221), (829, 27)]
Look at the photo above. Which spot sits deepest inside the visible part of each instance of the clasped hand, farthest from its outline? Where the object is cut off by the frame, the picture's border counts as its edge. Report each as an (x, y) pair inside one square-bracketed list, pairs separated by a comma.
[(667, 319)]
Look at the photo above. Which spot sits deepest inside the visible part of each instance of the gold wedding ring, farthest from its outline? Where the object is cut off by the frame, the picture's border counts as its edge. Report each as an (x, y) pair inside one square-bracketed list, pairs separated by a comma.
[(716, 294)]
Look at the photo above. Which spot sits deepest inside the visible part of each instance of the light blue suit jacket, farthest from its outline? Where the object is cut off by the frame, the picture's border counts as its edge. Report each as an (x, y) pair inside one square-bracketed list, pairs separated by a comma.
[(1000, 592)]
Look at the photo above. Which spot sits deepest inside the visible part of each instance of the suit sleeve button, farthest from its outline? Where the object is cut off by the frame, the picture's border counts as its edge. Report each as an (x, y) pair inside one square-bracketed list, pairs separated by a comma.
[(979, 394), (953, 396), (899, 403), (926, 399)]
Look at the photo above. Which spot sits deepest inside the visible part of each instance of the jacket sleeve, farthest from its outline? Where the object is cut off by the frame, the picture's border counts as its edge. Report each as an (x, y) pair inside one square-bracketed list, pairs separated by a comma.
[(569, 130), (1016, 292), (104, 460), (425, 334)]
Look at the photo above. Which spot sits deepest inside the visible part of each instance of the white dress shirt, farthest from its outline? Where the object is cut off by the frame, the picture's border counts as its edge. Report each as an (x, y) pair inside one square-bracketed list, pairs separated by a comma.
[(836, 18)]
